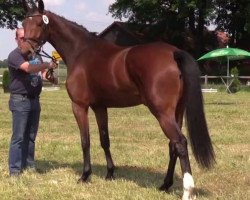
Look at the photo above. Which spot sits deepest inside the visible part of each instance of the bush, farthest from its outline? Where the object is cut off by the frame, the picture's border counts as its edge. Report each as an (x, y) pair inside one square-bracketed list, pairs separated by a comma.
[(236, 84), (6, 80)]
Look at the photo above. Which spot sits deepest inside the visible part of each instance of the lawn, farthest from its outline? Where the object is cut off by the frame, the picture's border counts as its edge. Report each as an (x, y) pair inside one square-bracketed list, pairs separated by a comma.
[(139, 149)]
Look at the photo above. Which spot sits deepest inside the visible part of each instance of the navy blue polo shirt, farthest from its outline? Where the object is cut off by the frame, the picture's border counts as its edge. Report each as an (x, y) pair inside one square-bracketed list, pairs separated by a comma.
[(22, 82)]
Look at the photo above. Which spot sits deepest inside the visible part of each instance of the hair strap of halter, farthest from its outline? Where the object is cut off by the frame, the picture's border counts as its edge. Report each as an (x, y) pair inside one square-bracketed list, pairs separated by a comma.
[(44, 17), (27, 16)]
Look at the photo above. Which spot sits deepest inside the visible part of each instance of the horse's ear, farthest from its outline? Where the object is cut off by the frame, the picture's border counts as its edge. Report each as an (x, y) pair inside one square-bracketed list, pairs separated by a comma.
[(27, 5), (40, 6)]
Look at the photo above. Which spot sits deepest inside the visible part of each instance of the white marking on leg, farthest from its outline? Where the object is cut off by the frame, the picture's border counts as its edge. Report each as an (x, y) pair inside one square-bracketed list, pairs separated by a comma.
[(188, 187)]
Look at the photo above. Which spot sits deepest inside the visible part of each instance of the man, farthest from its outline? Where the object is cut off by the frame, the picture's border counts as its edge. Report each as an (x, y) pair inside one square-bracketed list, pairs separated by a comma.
[(25, 88)]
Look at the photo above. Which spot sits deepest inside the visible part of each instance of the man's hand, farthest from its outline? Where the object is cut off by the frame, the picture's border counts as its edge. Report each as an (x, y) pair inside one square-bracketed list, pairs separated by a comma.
[(52, 65), (50, 73)]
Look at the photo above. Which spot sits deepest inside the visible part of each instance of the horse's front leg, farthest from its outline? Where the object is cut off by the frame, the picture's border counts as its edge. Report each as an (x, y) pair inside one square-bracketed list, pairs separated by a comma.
[(102, 122), (81, 115)]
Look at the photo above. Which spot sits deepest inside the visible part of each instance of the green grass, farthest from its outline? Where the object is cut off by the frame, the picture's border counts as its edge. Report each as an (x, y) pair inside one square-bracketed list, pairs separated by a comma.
[(139, 149)]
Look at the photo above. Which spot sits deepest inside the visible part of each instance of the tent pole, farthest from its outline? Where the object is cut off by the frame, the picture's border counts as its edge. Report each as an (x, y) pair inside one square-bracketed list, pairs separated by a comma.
[(227, 70)]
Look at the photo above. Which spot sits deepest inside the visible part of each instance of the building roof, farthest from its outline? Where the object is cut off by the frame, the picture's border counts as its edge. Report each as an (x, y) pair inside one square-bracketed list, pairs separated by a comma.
[(134, 30)]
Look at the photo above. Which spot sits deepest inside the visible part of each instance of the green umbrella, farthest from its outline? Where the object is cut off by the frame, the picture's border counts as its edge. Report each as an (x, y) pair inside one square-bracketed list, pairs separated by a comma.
[(226, 54)]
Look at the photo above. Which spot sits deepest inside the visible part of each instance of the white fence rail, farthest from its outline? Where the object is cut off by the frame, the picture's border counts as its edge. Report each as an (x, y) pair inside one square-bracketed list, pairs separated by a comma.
[(206, 78)]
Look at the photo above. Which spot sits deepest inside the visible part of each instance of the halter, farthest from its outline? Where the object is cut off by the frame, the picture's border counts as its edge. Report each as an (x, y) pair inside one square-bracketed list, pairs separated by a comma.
[(50, 72), (31, 41)]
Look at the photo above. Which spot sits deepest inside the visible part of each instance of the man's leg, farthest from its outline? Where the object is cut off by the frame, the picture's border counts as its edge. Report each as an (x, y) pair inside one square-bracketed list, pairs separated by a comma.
[(33, 129), (20, 113)]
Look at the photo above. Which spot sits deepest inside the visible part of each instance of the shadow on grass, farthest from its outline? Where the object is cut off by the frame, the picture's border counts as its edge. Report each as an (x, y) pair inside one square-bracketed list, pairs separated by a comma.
[(143, 177)]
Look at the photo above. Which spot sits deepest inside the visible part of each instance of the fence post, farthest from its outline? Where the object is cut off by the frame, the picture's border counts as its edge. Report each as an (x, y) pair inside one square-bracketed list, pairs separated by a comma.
[(206, 80), (58, 74)]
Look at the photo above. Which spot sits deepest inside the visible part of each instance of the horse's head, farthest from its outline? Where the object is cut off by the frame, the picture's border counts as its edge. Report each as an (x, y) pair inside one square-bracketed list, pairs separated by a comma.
[(35, 26)]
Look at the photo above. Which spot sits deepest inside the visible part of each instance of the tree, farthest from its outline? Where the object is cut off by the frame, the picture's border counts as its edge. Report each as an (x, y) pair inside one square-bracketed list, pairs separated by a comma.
[(234, 17), (4, 63), (180, 22), (11, 12), (6, 81), (173, 21)]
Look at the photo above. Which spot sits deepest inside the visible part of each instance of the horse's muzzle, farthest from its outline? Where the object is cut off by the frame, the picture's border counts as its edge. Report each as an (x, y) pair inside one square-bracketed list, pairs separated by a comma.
[(26, 48)]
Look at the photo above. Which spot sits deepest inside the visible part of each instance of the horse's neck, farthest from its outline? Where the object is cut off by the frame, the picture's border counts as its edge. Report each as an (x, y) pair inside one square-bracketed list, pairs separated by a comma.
[(66, 37)]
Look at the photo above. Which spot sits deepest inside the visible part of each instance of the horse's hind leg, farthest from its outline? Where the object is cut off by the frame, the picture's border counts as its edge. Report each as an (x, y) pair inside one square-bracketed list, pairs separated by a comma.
[(178, 148), (102, 121), (188, 182), (168, 181)]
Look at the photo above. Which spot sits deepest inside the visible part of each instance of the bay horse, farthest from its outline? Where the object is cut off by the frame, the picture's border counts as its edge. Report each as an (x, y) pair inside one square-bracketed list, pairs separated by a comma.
[(103, 75)]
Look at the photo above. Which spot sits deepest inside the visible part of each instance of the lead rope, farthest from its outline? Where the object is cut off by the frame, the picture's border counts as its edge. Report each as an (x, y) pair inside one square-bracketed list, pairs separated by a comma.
[(50, 72)]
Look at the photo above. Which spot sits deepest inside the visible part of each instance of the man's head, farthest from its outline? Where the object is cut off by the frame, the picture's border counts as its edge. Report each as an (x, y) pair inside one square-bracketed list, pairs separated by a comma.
[(20, 41), (19, 36)]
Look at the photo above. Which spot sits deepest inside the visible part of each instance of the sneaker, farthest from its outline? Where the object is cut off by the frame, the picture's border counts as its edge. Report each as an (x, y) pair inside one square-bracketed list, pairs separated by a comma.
[(33, 169), (15, 174)]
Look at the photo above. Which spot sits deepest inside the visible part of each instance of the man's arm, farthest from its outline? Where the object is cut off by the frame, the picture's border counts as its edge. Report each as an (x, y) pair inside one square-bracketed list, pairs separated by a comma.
[(30, 68)]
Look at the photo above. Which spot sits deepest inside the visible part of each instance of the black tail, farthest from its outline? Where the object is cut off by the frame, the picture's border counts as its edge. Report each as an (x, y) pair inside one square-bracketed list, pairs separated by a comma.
[(196, 121)]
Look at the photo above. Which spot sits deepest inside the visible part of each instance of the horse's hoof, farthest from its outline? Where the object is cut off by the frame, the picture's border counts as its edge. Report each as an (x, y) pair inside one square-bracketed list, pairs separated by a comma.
[(165, 186), (110, 178), (79, 181), (110, 174), (84, 178)]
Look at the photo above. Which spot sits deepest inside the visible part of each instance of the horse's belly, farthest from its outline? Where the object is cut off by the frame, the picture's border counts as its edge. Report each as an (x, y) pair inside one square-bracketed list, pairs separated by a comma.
[(118, 100)]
